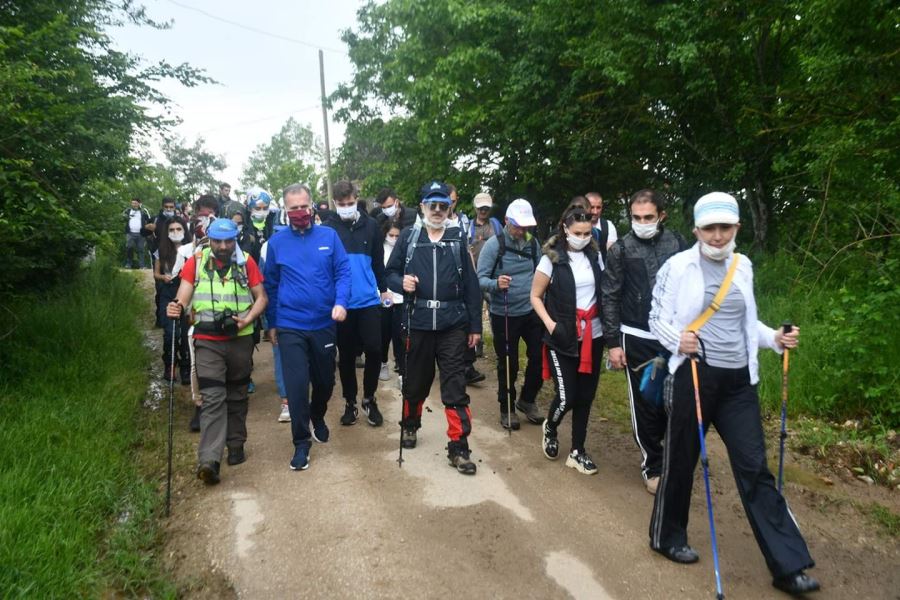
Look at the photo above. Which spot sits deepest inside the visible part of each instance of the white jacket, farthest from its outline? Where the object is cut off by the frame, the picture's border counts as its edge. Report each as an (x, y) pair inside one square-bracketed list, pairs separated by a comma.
[(678, 300)]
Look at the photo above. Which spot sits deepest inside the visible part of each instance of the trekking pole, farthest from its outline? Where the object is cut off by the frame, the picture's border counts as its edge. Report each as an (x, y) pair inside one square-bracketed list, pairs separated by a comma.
[(171, 375), (408, 300), (788, 327), (705, 462), (506, 333)]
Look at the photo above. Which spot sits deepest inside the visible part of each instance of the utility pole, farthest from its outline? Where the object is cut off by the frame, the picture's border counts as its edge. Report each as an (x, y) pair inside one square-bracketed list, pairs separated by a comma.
[(325, 123)]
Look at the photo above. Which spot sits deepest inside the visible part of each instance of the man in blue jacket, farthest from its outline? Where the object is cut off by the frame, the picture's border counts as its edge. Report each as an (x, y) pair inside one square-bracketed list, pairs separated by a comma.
[(307, 278), (361, 331)]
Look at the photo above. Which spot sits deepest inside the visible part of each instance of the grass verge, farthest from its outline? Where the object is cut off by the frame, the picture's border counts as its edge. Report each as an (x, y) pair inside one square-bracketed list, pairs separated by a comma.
[(77, 518)]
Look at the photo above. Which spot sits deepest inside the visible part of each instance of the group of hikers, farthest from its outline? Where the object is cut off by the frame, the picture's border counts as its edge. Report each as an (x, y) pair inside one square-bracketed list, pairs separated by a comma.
[(338, 285)]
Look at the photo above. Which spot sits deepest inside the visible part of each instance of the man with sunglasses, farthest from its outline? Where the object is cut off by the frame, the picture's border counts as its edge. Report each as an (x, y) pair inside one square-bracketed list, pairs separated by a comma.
[(431, 264)]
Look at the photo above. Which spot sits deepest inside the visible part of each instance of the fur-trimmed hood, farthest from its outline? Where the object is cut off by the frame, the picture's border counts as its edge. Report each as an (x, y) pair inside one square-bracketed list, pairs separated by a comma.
[(555, 248)]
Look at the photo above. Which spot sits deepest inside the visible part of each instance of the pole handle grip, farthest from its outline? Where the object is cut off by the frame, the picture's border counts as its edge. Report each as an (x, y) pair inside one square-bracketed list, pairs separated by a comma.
[(787, 326)]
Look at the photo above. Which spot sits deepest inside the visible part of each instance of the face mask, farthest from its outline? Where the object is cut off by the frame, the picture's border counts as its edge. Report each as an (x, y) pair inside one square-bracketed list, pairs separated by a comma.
[(391, 240), (718, 254), (202, 224), (347, 213), (259, 214), (300, 218), (577, 243), (645, 231), (169, 213), (442, 225), (177, 237), (240, 228), (390, 211)]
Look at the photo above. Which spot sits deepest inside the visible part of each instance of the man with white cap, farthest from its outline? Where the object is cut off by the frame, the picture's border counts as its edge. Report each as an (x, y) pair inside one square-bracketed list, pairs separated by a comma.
[(505, 270), (704, 308)]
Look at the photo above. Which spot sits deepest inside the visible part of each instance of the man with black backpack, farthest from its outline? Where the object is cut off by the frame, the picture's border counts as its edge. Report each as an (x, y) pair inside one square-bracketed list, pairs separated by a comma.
[(432, 265), (505, 270)]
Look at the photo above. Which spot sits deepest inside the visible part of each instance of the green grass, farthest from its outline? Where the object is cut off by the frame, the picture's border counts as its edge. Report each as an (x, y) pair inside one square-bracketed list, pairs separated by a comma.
[(77, 518)]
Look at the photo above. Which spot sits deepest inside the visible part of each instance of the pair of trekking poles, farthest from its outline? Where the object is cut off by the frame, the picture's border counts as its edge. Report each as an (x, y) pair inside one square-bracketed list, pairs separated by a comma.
[(787, 328)]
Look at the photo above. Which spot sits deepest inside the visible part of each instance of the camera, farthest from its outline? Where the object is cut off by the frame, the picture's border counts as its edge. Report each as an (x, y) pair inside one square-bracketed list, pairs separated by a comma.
[(225, 323)]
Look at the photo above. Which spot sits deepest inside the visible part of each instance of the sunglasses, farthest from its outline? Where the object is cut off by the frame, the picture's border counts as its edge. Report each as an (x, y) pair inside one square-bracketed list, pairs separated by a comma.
[(580, 217), (437, 206)]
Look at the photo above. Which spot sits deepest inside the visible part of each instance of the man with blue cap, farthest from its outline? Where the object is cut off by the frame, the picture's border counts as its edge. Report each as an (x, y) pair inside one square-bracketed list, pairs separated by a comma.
[(431, 264), (228, 296)]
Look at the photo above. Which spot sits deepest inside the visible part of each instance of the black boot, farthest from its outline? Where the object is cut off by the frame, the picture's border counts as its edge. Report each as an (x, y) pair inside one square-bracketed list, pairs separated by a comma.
[(236, 455)]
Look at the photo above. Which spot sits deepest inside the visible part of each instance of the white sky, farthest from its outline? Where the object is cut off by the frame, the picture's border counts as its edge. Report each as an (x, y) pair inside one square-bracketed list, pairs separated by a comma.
[(263, 79)]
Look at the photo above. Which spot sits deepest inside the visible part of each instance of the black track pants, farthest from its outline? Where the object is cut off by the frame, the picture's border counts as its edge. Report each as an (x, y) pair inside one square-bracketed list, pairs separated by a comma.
[(729, 402), (574, 391), (530, 329), (648, 421), (359, 332), (392, 334)]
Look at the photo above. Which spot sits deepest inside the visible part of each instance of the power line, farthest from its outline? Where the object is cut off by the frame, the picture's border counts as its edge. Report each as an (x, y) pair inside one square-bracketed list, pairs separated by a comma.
[(255, 30)]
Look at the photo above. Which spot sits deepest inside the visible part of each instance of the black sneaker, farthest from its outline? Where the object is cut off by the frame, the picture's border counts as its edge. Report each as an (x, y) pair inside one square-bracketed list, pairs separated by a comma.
[(209, 473), (408, 438), (373, 415), (473, 375), (350, 414), (796, 584), (549, 443), (320, 431), (459, 459), (236, 455), (195, 420)]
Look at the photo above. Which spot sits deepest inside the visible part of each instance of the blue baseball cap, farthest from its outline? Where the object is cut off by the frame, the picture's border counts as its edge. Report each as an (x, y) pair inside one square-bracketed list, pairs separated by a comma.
[(222, 229), (436, 191)]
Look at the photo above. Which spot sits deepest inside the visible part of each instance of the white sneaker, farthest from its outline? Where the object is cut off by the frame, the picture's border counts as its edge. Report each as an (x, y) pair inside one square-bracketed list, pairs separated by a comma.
[(652, 484), (285, 416), (581, 462), (384, 375)]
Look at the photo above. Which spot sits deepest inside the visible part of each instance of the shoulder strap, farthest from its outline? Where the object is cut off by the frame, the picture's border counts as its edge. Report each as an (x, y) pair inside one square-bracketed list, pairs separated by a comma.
[(496, 225), (716, 303), (411, 243), (501, 250)]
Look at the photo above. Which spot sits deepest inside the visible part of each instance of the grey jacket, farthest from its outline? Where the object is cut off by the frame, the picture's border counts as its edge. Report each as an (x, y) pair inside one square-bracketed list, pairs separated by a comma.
[(519, 267)]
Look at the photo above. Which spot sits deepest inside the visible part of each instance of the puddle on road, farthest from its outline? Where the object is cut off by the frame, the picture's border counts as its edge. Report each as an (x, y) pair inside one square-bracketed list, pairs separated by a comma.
[(574, 576), (246, 512)]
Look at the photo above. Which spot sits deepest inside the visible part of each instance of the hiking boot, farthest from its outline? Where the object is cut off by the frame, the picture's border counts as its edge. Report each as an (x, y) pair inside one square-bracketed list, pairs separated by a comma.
[(300, 462), (459, 459), (251, 387), (550, 443), (319, 430), (581, 462), (208, 472), (384, 374), (236, 456), (360, 362), (373, 415), (350, 414), (796, 584), (285, 416), (408, 438), (473, 375), (509, 421), (195, 420), (652, 484), (530, 410)]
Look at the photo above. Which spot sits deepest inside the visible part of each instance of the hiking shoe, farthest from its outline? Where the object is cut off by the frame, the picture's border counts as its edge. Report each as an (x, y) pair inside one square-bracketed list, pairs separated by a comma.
[(300, 462), (684, 555), (652, 484), (251, 387), (581, 462), (236, 456), (373, 415), (796, 584), (550, 443), (319, 430), (473, 375), (408, 438), (195, 420), (384, 374), (350, 414), (530, 410), (509, 421), (360, 362), (208, 472), (285, 416), (459, 459)]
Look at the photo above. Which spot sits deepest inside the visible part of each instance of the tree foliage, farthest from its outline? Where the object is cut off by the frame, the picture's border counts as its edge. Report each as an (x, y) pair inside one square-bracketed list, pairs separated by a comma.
[(293, 155), (70, 107)]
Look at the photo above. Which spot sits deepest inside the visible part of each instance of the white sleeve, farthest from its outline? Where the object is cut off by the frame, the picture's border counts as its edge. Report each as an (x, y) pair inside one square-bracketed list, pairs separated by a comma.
[(545, 266), (613, 235)]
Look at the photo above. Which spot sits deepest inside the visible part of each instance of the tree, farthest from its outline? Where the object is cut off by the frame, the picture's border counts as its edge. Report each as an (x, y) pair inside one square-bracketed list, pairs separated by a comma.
[(193, 167), (293, 155)]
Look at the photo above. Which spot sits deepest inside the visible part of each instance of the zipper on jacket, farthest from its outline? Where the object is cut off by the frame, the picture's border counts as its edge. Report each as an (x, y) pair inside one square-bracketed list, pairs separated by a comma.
[(434, 286)]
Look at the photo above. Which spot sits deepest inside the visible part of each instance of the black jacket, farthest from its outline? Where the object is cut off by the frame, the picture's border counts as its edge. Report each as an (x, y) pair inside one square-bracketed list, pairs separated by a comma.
[(404, 217), (439, 279), (560, 298), (629, 278)]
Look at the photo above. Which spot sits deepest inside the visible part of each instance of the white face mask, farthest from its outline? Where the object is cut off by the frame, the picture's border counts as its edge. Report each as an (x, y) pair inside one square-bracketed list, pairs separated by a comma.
[(718, 254), (391, 240), (177, 237), (390, 211), (347, 213), (169, 213), (240, 227), (442, 225), (645, 231), (577, 243), (259, 214)]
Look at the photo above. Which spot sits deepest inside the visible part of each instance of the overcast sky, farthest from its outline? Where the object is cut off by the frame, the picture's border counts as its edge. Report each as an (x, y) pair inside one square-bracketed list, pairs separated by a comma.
[(263, 80)]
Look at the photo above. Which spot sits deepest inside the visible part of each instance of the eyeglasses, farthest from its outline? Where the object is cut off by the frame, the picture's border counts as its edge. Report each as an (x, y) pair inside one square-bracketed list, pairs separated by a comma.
[(437, 206), (483, 208)]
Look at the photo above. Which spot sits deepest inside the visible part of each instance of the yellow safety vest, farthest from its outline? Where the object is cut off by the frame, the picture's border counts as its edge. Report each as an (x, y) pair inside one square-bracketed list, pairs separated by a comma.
[(212, 294)]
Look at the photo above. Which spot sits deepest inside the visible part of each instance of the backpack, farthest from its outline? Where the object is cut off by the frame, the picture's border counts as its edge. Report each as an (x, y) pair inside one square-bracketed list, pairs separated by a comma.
[(494, 223), (534, 254), (455, 245)]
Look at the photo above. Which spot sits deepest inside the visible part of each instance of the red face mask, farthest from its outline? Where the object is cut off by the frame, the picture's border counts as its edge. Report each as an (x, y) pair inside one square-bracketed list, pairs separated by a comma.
[(300, 218)]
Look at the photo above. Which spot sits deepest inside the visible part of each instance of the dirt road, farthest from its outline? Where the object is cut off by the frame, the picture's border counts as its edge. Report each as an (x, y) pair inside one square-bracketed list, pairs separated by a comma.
[(356, 525)]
